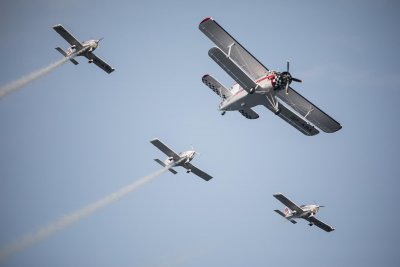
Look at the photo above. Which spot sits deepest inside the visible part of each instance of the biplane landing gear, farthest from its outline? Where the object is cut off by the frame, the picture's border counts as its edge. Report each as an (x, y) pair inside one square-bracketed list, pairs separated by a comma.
[(188, 171), (252, 90)]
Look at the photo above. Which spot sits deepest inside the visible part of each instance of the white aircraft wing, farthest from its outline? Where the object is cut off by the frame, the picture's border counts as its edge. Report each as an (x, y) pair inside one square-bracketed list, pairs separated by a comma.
[(217, 87), (166, 150), (197, 171), (99, 62), (320, 224), (68, 36), (308, 110), (236, 72), (233, 49), (288, 203), (295, 120)]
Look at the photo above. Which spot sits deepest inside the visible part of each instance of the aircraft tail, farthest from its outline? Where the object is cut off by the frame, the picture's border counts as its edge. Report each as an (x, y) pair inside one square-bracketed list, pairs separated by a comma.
[(284, 215), (66, 55), (280, 213), (162, 164)]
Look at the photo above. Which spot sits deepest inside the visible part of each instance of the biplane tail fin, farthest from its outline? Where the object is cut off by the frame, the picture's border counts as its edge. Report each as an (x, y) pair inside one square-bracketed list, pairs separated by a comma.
[(66, 55)]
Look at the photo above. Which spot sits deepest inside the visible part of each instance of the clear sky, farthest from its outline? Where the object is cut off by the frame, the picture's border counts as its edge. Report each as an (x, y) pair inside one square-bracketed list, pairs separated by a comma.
[(79, 134)]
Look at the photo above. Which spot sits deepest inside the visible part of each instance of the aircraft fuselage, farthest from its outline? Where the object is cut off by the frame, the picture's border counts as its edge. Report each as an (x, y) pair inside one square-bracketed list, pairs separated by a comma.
[(242, 99)]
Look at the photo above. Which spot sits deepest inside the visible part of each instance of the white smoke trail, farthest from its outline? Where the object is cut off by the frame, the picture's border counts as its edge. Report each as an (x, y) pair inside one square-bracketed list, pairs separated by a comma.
[(65, 221), (15, 85)]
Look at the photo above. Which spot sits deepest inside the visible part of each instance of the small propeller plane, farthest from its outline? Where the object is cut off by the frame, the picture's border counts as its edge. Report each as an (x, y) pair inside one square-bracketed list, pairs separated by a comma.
[(256, 85), (78, 48), (182, 159), (307, 212)]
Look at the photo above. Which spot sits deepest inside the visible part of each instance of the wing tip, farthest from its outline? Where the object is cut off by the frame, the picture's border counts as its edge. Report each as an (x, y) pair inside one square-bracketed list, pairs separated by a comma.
[(57, 26), (206, 19), (154, 140), (205, 76)]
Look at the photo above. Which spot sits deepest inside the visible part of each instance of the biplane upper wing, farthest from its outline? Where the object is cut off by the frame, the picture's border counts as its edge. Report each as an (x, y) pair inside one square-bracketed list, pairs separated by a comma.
[(233, 49), (309, 111), (236, 72), (166, 150), (197, 171), (320, 224), (294, 120), (288, 203), (99, 62), (68, 36)]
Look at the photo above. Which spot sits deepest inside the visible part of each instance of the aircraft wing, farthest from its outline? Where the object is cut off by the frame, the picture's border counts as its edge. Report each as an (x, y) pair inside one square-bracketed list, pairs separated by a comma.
[(99, 62), (167, 151), (320, 224), (197, 171), (235, 71), (308, 110), (288, 203), (233, 49), (68, 36), (296, 121)]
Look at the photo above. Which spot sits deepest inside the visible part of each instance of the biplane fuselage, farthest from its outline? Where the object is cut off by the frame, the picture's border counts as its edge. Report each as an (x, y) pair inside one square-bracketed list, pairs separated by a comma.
[(241, 98)]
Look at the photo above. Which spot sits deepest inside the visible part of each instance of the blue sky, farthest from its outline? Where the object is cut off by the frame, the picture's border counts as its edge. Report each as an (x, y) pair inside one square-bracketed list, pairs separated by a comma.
[(79, 134)]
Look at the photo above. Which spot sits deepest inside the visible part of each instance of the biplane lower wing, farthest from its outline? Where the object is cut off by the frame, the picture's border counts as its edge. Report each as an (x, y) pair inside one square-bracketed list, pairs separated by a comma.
[(232, 69), (309, 111), (293, 119)]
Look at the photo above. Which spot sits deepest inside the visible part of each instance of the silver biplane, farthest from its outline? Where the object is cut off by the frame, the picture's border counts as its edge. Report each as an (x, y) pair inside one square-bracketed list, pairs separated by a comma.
[(307, 212), (78, 48), (256, 85), (182, 159)]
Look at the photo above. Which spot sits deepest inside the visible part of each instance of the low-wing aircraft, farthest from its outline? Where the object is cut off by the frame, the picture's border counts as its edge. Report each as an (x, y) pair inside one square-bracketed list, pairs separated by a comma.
[(256, 85), (307, 212), (78, 48), (182, 159)]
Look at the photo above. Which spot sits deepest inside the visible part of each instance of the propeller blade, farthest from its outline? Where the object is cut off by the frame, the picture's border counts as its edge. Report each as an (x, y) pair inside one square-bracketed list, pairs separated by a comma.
[(287, 66), (297, 80)]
